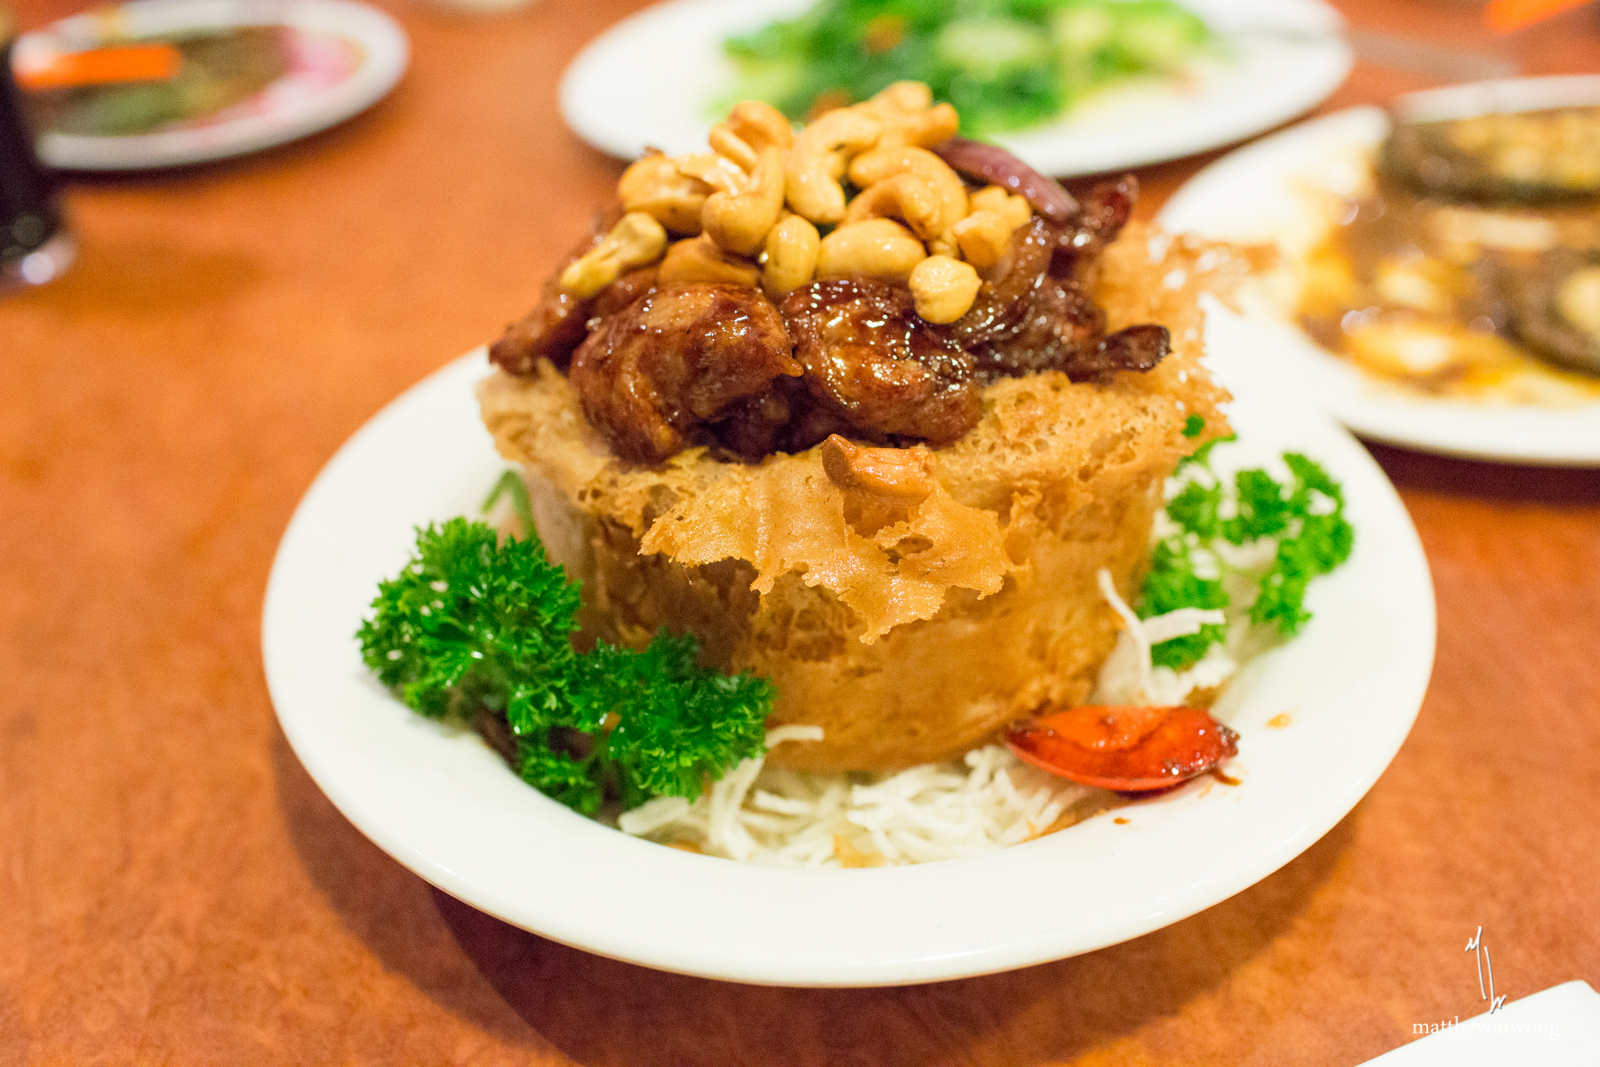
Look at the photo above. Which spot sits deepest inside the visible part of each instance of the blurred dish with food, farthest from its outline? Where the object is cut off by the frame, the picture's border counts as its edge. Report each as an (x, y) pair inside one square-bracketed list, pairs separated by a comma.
[(161, 83), (1005, 67), (1071, 86), (1439, 275)]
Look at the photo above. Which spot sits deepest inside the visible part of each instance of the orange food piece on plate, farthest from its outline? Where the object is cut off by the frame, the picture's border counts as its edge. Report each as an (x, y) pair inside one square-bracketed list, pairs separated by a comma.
[(1131, 749)]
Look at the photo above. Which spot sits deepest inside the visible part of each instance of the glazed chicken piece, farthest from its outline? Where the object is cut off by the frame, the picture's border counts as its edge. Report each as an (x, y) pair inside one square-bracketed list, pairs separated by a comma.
[(1102, 215), (1064, 330), (559, 322), (556, 325), (1137, 348), (1024, 320), (1033, 314), (1006, 295), (660, 369), (872, 363), (655, 375)]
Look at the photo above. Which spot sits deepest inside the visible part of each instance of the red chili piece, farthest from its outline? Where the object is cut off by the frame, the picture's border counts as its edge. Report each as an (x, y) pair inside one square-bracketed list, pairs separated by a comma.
[(1129, 749)]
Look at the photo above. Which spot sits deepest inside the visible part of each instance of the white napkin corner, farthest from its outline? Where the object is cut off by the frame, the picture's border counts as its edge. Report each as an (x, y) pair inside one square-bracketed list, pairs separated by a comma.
[(1559, 1027)]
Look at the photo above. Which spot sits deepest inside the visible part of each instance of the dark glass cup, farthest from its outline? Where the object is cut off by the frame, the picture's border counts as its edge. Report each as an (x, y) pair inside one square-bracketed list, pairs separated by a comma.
[(34, 243)]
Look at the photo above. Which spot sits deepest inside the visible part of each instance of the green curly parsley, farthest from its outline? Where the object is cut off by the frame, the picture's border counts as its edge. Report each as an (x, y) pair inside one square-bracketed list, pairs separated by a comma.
[(474, 623), (1305, 516)]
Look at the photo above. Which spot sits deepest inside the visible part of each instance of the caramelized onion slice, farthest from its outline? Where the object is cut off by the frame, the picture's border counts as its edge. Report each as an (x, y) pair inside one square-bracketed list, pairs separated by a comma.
[(995, 165)]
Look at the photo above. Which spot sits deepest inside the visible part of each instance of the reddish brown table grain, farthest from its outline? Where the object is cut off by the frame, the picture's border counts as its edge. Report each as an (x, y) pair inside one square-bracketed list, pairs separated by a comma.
[(176, 891)]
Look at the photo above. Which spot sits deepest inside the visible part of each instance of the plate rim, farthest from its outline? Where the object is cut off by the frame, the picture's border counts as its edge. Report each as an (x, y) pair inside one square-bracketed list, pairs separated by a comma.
[(1367, 405), (385, 55), (693, 956)]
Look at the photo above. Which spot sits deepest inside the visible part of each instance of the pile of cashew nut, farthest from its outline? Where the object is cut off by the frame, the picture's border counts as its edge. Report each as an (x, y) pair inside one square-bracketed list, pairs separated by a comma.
[(748, 212)]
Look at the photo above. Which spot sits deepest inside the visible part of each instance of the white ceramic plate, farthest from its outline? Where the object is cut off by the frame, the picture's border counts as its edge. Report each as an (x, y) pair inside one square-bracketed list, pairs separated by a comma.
[(1259, 194), (652, 80), (445, 806), (344, 57)]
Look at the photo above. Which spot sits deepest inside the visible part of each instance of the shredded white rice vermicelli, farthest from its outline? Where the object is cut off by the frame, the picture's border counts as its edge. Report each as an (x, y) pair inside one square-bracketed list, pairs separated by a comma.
[(988, 800), (791, 818)]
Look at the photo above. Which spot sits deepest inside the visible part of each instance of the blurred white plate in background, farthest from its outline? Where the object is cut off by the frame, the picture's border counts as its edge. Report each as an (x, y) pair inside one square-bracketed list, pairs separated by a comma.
[(653, 80)]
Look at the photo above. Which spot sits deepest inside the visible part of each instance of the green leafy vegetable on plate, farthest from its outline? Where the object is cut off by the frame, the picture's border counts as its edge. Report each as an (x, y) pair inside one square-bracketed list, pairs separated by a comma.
[(1003, 64)]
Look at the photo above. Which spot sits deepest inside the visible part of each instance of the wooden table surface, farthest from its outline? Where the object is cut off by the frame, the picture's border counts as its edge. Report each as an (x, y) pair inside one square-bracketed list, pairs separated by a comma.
[(175, 889)]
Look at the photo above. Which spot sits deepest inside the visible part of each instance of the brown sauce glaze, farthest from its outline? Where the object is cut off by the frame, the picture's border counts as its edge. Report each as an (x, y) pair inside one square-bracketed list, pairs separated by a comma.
[(659, 368), (871, 361), (1106, 209), (1059, 328), (557, 324), (1028, 318), (1136, 348), (675, 361), (1007, 292)]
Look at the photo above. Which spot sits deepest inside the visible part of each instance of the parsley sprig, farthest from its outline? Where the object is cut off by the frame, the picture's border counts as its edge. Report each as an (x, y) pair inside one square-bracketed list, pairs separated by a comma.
[(477, 623), (1304, 516)]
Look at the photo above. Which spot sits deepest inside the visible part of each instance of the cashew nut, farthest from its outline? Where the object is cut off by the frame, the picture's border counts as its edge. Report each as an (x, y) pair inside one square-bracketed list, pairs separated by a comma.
[(943, 288), (907, 117), (983, 237), (902, 476), (1014, 209), (817, 159), (636, 239), (657, 187), (907, 197), (730, 146), (751, 126), (761, 124), (698, 259), (791, 257), (906, 96), (943, 196), (937, 124), (877, 248), (739, 222), (716, 172)]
